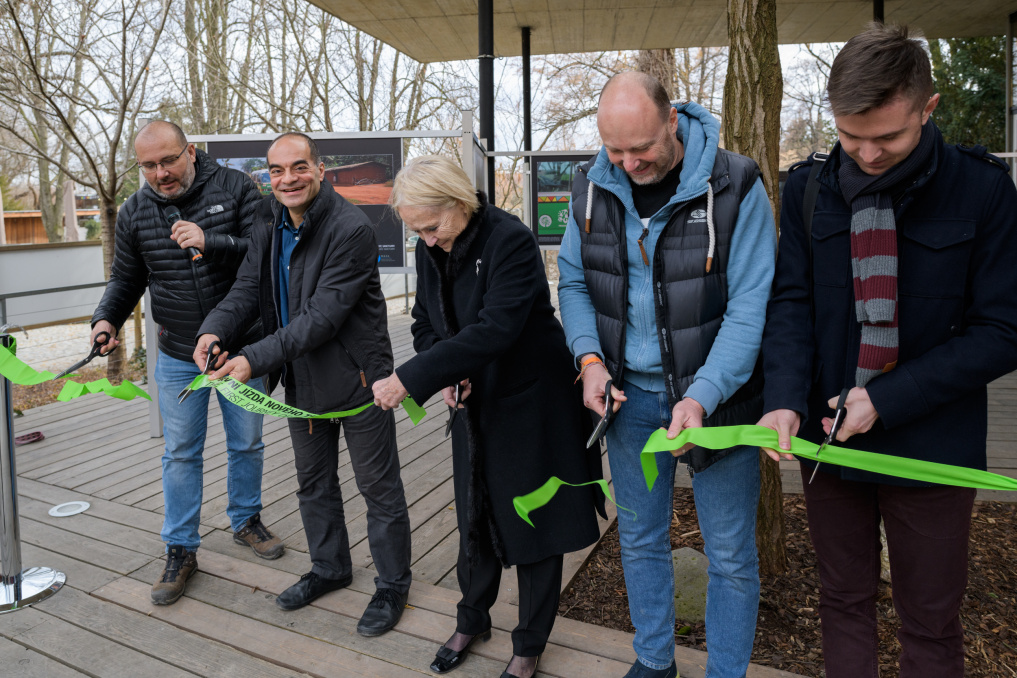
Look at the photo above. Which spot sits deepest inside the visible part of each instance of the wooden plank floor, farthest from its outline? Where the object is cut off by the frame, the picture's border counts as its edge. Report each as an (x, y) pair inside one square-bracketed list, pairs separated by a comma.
[(102, 623)]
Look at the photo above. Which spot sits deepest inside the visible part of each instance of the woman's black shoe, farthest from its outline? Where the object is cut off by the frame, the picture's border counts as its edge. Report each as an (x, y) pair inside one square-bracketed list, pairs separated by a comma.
[(506, 674), (447, 659)]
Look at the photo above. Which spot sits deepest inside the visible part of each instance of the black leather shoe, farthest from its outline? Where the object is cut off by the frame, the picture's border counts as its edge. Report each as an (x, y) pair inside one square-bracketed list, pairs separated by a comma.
[(506, 674), (382, 613), (447, 659), (310, 587)]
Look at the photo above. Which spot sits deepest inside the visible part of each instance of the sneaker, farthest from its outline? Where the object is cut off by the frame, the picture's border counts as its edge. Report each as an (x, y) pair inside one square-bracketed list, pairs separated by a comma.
[(310, 587), (641, 670), (382, 613), (180, 565), (254, 534)]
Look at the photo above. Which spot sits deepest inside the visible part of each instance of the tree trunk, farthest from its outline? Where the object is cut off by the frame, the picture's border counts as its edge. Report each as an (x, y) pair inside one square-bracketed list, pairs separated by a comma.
[(752, 97), (660, 64), (108, 217)]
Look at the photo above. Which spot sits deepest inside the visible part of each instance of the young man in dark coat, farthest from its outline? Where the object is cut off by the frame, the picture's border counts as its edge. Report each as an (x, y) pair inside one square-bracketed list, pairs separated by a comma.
[(311, 274), (183, 235), (906, 294)]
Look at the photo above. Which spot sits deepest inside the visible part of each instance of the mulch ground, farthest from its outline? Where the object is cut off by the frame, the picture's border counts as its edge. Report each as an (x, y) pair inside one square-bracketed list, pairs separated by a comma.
[(788, 634)]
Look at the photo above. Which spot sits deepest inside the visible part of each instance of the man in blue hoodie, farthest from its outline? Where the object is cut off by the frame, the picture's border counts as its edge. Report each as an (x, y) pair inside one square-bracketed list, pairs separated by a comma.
[(666, 268)]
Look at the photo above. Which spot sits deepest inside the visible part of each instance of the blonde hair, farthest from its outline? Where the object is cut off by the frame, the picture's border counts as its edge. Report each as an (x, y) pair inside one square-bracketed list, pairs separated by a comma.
[(433, 181)]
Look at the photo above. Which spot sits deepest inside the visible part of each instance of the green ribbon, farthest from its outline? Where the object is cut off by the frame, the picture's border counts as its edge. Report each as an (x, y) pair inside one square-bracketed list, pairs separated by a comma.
[(21, 374), (722, 437), (253, 400), (542, 495)]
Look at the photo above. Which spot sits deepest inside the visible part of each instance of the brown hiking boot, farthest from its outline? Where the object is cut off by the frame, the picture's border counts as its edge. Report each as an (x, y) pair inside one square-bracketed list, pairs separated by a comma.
[(254, 534), (180, 565)]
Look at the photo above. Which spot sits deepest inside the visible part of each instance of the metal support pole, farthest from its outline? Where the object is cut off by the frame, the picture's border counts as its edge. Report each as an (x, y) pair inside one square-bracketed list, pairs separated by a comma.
[(1009, 92), (18, 588), (527, 125), (151, 355), (485, 58), (406, 292), (527, 103), (877, 10)]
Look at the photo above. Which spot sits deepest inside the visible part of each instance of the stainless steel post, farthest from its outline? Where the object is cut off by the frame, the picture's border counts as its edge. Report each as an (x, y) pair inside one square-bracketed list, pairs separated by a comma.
[(18, 588)]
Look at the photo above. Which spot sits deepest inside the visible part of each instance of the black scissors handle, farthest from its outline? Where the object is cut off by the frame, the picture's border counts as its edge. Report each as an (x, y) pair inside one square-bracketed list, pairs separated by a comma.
[(838, 419), (605, 421), (101, 339), (453, 411), (209, 362)]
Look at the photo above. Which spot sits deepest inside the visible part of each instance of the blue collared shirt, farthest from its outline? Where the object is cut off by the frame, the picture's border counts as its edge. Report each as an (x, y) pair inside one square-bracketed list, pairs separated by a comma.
[(288, 241)]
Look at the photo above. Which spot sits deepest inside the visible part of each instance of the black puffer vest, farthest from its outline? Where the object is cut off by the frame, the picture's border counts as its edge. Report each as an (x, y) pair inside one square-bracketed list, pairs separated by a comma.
[(689, 302)]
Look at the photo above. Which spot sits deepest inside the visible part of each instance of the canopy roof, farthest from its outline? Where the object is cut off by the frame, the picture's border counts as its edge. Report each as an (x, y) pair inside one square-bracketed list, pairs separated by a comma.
[(446, 30)]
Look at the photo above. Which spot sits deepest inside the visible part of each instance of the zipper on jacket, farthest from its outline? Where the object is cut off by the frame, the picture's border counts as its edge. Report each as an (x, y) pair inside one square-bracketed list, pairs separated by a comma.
[(642, 250), (363, 377)]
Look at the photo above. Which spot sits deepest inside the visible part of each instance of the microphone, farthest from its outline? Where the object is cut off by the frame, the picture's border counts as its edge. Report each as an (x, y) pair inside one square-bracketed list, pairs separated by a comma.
[(173, 217)]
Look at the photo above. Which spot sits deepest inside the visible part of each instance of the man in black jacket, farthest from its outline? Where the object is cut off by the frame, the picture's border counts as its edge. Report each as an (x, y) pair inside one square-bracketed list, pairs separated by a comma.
[(905, 294), (311, 274), (184, 234)]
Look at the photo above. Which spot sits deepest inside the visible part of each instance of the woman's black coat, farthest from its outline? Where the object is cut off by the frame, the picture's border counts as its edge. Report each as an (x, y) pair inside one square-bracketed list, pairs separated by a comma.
[(484, 312)]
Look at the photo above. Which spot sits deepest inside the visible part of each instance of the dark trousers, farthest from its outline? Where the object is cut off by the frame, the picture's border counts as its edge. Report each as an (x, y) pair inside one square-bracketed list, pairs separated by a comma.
[(927, 535), (371, 440), (539, 591)]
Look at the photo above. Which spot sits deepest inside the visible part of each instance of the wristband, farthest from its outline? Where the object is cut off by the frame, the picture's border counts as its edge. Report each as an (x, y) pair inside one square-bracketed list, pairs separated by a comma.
[(589, 359)]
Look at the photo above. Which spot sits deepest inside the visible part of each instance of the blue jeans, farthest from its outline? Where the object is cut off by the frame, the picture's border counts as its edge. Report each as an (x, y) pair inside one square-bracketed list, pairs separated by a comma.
[(184, 427), (726, 496)]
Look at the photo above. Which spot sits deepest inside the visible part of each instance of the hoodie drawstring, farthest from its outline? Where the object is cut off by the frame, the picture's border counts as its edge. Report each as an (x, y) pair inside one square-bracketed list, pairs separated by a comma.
[(709, 226), (589, 205)]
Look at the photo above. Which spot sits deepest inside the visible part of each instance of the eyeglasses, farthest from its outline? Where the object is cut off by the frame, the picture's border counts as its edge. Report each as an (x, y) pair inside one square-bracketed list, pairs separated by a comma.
[(165, 163)]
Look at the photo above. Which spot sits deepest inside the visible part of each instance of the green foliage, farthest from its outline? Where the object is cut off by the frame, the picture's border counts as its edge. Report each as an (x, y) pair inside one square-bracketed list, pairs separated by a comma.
[(132, 182), (970, 75), (10, 204), (93, 228)]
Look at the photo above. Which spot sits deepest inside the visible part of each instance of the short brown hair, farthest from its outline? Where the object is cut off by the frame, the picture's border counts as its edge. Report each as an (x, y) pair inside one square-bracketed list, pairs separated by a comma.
[(874, 67)]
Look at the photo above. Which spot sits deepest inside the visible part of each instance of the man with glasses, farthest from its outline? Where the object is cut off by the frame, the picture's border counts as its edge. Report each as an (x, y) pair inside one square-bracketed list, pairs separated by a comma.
[(183, 234)]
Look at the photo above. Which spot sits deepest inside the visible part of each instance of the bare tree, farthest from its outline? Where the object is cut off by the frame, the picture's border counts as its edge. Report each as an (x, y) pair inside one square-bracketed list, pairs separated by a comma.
[(806, 127), (89, 96), (752, 94), (660, 63)]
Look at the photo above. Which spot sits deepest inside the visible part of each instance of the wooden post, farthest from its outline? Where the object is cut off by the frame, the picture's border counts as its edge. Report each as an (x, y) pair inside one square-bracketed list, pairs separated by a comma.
[(137, 326)]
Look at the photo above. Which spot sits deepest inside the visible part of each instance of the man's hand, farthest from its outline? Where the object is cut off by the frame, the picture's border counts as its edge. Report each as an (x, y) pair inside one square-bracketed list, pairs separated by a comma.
[(448, 394), (104, 326), (389, 392), (688, 413), (200, 355), (188, 234), (785, 423), (594, 379), (860, 416), (236, 367)]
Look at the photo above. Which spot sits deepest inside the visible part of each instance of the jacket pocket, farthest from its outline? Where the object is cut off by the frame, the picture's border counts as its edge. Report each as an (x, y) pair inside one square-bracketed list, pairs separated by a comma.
[(934, 258), (831, 249)]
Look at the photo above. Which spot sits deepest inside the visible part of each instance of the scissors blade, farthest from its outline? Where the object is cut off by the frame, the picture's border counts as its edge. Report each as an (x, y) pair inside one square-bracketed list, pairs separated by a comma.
[(453, 411), (838, 419), (76, 366)]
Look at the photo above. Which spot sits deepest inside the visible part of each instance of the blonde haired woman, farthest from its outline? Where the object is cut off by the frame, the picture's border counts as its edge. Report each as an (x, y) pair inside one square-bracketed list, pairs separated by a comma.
[(483, 320)]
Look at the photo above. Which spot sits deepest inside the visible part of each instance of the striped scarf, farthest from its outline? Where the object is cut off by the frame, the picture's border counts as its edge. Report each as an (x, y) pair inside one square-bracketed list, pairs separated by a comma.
[(874, 252)]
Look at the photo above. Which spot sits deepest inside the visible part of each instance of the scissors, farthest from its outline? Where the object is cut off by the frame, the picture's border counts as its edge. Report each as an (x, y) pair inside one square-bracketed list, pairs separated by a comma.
[(453, 411), (101, 340), (605, 421), (838, 419), (209, 361)]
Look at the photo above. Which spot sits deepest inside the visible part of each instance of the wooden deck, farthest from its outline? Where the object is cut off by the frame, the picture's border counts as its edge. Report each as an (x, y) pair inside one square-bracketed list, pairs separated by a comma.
[(102, 623)]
